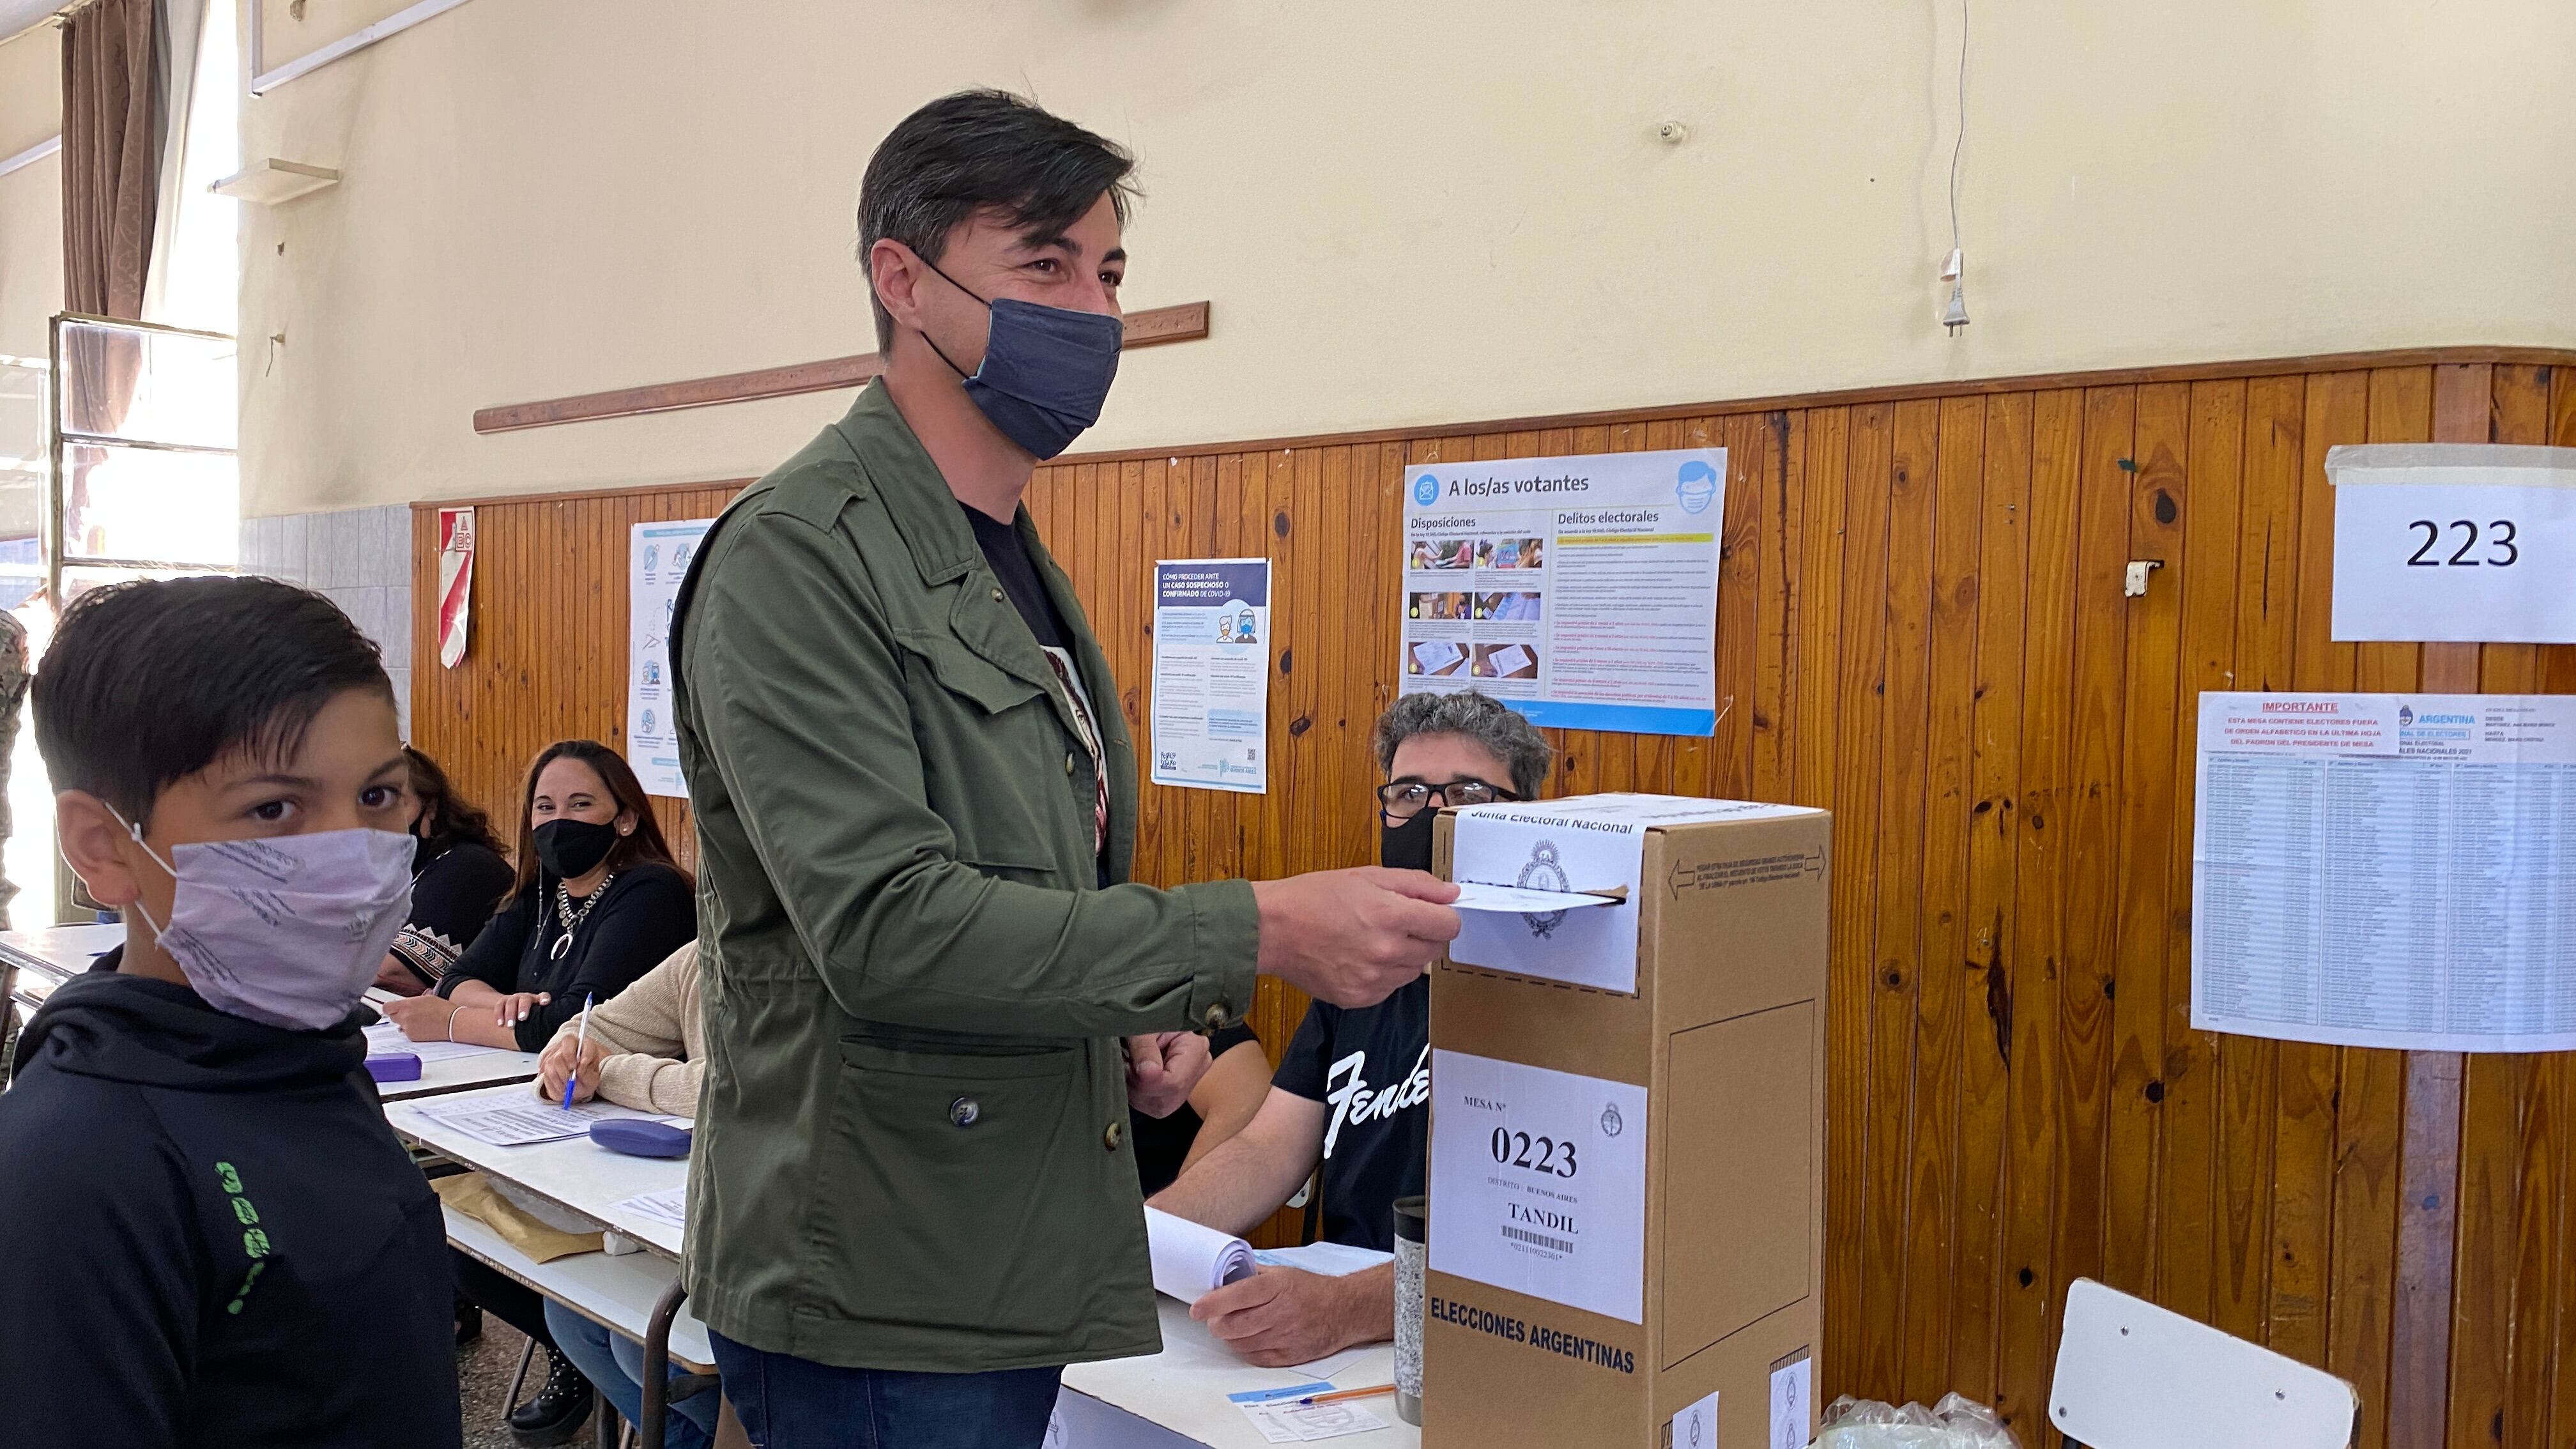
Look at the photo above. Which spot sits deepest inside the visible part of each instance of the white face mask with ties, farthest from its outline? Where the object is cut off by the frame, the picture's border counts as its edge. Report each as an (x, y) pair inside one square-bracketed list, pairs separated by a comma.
[(288, 930)]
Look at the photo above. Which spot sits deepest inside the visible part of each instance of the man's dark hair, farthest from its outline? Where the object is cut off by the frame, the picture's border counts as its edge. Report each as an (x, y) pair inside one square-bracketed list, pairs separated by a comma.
[(977, 151), (150, 681)]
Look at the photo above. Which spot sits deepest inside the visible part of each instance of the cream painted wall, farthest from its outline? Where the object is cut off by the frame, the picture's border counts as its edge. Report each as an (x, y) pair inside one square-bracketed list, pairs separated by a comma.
[(1428, 212), (31, 197), (31, 88)]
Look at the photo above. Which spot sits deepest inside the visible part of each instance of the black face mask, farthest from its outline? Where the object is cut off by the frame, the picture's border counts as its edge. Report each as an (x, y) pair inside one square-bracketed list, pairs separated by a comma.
[(572, 848), (1406, 846)]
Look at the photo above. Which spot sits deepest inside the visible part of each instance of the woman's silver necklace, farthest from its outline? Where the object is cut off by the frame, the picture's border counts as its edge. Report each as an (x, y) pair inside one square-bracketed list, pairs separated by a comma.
[(572, 919)]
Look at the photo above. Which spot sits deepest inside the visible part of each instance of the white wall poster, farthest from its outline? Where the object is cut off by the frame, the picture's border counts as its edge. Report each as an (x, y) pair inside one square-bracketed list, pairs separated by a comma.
[(1582, 591), (1211, 711), (2387, 870), (658, 556), (1538, 1182), (2456, 542)]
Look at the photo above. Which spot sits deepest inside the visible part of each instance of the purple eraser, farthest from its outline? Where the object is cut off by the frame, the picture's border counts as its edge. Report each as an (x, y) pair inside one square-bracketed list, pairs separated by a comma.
[(395, 1067)]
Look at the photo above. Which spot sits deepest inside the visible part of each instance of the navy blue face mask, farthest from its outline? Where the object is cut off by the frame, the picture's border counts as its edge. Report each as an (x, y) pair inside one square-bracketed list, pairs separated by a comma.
[(1045, 373)]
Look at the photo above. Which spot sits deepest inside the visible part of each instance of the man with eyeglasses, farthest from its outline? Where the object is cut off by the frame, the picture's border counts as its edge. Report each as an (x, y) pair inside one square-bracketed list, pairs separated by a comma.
[(1353, 1090)]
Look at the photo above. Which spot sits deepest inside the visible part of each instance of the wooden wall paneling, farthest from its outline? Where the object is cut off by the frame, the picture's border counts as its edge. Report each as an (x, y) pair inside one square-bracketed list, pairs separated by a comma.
[(2429, 1197), (1817, 594), (1934, 1225), (2206, 578), (2371, 1086), (1853, 990), (2335, 412), (1977, 1285), (2033, 1140), (2159, 493), (2503, 1201), (1920, 627), (1778, 534), (2553, 1328), (2247, 1095), (2536, 1273), (1722, 764), (2090, 819), (1895, 967)]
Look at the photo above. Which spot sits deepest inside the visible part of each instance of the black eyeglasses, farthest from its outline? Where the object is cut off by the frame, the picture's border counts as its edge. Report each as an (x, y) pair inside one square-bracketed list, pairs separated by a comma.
[(1405, 798)]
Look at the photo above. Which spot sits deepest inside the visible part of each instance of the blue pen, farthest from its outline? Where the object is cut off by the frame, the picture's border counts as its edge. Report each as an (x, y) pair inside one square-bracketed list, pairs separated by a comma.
[(580, 1040)]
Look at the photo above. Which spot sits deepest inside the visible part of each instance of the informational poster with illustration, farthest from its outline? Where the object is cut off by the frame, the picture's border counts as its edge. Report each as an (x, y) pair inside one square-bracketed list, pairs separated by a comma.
[(1212, 674), (1538, 1182), (2387, 870), (1582, 591), (658, 557)]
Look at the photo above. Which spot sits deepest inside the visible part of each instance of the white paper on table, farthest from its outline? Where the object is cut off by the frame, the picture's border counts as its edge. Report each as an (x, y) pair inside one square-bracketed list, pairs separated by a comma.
[(1331, 1260), (1189, 1259), (1538, 1182), (521, 1125), (670, 1207), (1695, 1427), (1792, 1403), (385, 1038), (1282, 1420), (1517, 900), (1511, 659)]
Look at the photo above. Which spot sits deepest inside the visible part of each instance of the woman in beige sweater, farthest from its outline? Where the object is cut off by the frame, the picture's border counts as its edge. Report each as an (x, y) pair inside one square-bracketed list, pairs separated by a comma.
[(646, 1047), (646, 1050)]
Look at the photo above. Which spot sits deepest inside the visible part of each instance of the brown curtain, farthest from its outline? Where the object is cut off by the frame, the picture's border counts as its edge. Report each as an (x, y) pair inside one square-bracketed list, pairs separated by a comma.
[(112, 119), (111, 155), (111, 189)]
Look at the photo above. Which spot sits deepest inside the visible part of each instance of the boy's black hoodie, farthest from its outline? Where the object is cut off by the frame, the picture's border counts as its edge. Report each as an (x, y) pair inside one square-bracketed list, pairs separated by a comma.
[(214, 1239)]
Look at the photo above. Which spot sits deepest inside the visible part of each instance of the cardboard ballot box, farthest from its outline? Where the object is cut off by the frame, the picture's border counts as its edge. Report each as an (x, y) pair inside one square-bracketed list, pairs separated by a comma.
[(1628, 1129)]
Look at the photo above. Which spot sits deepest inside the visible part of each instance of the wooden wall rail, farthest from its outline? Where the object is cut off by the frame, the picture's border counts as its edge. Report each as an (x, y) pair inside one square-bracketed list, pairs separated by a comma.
[(1183, 323), (1921, 626)]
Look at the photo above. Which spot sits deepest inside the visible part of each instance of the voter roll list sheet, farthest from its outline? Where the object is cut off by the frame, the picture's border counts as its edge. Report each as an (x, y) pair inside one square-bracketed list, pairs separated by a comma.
[(2387, 870)]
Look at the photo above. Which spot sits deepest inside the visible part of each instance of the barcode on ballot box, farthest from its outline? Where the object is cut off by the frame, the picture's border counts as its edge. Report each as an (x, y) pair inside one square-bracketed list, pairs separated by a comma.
[(1537, 1240)]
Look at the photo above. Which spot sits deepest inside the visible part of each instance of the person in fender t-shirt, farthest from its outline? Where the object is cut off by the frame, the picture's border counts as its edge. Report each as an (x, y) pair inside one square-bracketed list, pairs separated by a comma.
[(1353, 1090), (215, 1239)]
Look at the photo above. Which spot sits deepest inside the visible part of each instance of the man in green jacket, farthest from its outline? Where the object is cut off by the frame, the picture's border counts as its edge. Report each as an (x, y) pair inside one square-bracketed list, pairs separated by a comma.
[(912, 1200)]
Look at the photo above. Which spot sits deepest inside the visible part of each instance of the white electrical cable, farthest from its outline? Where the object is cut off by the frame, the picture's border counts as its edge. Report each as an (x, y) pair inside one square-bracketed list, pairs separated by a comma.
[(1960, 140)]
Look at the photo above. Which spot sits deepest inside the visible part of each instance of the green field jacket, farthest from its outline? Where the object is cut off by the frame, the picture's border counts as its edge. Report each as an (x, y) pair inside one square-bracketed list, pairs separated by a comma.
[(911, 1144)]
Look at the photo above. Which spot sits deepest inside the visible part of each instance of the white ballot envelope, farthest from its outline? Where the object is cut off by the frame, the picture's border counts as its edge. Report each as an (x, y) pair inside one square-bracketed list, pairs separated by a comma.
[(1473, 896), (1189, 1260)]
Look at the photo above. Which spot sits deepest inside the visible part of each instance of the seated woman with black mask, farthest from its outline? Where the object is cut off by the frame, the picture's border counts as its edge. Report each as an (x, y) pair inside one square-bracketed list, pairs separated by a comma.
[(458, 878), (598, 903)]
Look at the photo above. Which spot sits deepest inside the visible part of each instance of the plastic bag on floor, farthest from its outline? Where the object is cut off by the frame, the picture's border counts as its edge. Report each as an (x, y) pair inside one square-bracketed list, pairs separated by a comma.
[(1953, 1423)]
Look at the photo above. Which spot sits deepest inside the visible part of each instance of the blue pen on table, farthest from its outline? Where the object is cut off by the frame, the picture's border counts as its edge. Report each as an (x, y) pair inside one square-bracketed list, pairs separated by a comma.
[(580, 1040)]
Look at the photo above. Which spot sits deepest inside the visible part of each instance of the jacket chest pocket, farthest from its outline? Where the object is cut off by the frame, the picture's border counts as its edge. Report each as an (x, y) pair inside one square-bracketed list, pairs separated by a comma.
[(997, 764)]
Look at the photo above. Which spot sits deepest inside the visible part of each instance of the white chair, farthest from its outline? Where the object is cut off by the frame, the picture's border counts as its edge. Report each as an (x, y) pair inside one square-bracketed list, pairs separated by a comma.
[(2131, 1375)]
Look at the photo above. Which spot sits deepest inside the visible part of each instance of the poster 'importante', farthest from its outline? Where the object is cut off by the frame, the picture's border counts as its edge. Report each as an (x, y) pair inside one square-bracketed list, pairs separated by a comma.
[(2387, 870)]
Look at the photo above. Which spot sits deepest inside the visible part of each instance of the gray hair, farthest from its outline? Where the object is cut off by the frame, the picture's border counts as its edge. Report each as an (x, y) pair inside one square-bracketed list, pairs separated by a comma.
[(1504, 731)]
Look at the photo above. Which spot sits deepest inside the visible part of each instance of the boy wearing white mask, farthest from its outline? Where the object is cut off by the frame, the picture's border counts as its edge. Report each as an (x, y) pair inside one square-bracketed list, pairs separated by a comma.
[(222, 1242)]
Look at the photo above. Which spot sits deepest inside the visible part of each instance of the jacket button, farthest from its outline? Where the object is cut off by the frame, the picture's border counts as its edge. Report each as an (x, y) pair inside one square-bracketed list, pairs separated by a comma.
[(997, 596), (1068, 762), (1215, 1017), (1110, 1138), (964, 1111)]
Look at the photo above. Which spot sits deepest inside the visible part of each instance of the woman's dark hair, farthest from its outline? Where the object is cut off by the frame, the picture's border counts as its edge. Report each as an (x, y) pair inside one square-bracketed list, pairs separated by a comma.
[(150, 681), (977, 151), (453, 819), (646, 844)]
